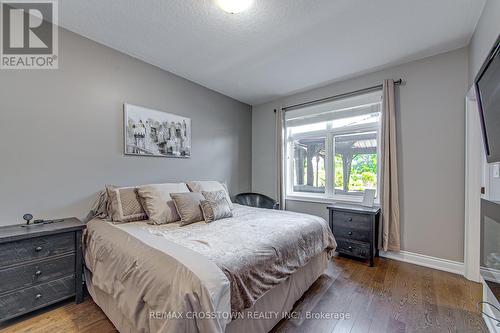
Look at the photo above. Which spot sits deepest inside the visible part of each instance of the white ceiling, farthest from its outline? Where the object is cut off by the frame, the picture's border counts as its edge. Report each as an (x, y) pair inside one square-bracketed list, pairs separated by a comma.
[(277, 47)]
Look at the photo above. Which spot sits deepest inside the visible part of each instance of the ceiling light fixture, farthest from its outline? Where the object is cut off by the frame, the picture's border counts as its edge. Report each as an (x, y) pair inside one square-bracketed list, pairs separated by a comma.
[(234, 6)]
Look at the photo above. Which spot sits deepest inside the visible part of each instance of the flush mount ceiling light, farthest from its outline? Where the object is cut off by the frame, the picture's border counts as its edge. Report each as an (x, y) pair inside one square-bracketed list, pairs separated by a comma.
[(234, 6)]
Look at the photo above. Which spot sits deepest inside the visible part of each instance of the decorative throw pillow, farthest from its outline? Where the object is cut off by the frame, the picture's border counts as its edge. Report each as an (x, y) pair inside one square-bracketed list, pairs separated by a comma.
[(158, 203), (188, 206), (213, 196), (209, 186), (124, 205), (215, 210)]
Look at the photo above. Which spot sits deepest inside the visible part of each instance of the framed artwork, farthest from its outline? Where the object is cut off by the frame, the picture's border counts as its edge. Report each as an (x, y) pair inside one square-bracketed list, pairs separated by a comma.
[(150, 132)]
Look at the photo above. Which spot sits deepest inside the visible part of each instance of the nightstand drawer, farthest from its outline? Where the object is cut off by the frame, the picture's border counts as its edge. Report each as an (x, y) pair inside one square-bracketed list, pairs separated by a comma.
[(351, 220), (352, 233), (26, 300), (354, 248), (35, 273), (36, 248)]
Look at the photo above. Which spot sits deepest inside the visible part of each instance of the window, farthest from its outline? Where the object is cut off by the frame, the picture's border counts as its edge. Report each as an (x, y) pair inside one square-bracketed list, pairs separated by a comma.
[(332, 150)]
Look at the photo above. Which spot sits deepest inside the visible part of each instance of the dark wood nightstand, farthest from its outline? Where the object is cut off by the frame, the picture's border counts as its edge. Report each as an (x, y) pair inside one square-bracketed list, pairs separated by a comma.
[(39, 265), (356, 230)]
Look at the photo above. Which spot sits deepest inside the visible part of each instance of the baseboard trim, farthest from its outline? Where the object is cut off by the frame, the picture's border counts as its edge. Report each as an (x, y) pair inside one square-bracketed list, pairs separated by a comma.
[(426, 261)]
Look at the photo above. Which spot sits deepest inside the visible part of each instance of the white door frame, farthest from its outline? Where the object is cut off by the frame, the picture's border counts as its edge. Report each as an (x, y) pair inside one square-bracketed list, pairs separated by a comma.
[(476, 176)]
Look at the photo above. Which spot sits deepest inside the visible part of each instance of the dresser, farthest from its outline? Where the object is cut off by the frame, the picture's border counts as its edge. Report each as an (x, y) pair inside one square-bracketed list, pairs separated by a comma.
[(39, 265), (356, 230)]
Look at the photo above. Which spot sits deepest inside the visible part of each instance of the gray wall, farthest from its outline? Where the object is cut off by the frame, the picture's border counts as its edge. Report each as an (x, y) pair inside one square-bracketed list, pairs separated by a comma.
[(61, 131), (487, 31), (431, 129)]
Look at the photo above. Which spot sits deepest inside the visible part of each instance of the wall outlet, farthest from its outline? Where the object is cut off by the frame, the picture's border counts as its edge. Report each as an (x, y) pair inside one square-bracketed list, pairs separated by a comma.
[(496, 170)]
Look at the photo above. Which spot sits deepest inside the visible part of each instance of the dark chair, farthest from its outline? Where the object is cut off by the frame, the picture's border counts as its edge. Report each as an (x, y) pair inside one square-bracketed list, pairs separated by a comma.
[(256, 200)]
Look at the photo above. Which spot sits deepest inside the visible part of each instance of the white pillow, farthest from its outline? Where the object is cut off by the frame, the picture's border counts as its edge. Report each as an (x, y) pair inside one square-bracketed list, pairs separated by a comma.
[(157, 202), (209, 186)]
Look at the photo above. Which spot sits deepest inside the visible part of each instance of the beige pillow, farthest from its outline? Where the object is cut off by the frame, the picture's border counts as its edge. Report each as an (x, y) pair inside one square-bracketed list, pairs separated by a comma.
[(213, 196), (209, 186), (188, 207), (215, 210), (158, 203), (124, 205)]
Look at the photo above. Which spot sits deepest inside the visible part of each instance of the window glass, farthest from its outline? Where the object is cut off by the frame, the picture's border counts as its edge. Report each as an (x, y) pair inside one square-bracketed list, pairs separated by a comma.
[(355, 163), (309, 165)]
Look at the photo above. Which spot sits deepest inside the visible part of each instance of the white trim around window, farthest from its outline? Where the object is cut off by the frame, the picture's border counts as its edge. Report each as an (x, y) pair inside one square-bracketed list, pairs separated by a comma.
[(325, 199), (329, 134)]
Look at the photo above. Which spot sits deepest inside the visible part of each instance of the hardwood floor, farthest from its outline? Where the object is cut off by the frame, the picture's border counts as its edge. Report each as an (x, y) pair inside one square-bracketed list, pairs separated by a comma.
[(394, 297), (391, 297)]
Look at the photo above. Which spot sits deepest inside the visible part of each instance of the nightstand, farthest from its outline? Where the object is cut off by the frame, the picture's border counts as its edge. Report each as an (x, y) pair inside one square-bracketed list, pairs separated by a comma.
[(39, 265), (356, 230)]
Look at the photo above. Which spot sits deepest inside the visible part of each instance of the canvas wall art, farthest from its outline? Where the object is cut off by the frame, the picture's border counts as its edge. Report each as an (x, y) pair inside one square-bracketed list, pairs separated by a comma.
[(155, 133)]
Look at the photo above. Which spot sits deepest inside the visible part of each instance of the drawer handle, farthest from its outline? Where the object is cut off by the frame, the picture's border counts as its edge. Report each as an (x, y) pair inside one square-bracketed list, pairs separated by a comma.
[(38, 296), (38, 248), (38, 273), (350, 248), (350, 233), (349, 219)]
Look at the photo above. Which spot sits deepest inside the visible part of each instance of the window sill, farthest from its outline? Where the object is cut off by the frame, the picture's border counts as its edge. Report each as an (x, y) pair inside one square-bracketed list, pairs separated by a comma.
[(325, 200)]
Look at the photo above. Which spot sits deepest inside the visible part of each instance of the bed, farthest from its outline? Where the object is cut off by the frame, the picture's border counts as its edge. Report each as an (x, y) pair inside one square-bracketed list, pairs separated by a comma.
[(240, 274)]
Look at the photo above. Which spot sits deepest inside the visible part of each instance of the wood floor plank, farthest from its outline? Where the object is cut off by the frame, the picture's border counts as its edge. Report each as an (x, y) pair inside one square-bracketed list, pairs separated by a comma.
[(360, 303), (401, 295), (392, 297), (335, 301), (415, 312), (383, 300), (446, 315), (365, 320)]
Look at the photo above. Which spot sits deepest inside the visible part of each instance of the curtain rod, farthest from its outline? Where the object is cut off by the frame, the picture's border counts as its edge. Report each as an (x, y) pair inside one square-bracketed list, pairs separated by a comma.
[(332, 98)]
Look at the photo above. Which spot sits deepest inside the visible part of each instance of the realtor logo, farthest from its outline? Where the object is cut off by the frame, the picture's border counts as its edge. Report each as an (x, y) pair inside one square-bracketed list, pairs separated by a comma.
[(29, 36)]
